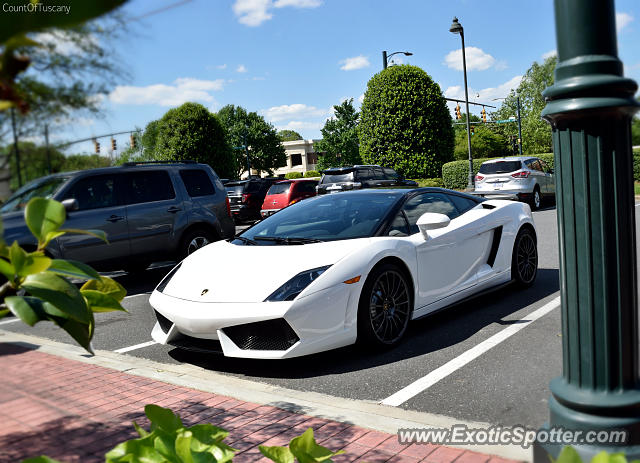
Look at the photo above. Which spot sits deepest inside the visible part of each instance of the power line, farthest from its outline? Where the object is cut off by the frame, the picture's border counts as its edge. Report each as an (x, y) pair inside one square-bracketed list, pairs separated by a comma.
[(160, 10)]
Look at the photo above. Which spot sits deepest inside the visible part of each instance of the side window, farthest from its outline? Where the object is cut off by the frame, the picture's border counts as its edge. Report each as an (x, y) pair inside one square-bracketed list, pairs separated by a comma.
[(378, 174), (197, 182), (391, 174), (364, 175), (399, 226), (428, 202), (94, 192), (306, 187), (463, 204), (545, 167), (146, 186), (535, 165)]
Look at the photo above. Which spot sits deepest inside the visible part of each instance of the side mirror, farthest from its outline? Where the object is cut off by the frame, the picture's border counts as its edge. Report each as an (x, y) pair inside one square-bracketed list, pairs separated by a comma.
[(70, 204), (431, 221)]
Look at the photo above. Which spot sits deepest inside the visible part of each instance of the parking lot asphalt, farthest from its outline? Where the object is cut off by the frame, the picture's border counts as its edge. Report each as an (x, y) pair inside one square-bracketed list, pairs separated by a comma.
[(506, 384)]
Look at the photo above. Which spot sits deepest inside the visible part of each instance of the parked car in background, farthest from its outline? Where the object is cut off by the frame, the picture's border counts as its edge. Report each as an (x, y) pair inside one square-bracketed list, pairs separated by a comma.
[(337, 179), (246, 197), (286, 192), (522, 178), (150, 212)]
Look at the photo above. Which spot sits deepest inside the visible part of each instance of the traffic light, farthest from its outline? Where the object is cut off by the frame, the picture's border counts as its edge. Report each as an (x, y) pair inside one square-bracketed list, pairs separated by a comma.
[(484, 115), (113, 145), (97, 144), (472, 129), (458, 113), (133, 142)]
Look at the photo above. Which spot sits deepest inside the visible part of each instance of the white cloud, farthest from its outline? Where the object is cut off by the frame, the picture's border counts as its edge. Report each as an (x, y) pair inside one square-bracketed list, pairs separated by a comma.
[(254, 12), (549, 54), (623, 20), (183, 89), (241, 68), (297, 3), (361, 98), (221, 66), (293, 111), (476, 59), (356, 62), (300, 125)]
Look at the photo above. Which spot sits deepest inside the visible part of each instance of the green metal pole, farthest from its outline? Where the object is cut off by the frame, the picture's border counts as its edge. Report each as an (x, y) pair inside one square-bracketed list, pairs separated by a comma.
[(590, 107)]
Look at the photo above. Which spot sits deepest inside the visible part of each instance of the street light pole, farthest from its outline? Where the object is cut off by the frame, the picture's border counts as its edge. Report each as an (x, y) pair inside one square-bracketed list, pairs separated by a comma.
[(590, 107), (385, 58), (519, 127), (456, 28)]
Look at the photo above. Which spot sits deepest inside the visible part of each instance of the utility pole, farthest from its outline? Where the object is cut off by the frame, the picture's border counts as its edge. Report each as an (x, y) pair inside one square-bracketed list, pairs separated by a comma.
[(590, 107), (519, 126), (15, 146), (46, 145), (246, 151)]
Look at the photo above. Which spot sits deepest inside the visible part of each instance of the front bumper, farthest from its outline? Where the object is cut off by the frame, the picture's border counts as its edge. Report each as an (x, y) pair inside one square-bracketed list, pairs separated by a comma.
[(267, 330)]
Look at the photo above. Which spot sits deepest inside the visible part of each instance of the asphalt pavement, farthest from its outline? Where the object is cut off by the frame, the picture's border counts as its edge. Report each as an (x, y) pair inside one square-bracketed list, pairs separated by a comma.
[(506, 384)]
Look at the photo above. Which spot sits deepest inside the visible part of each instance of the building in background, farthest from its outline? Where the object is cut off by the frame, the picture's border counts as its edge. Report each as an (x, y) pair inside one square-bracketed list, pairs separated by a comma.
[(300, 157)]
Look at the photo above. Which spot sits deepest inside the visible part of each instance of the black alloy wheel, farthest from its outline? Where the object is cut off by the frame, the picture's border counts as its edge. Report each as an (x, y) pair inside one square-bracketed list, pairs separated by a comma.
[(195, 240), (524, 262), (385, 307)]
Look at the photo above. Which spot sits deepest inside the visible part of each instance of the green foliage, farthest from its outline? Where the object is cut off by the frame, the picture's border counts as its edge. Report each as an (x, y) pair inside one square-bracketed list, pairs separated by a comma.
[(485, 143), (303, 448), (548, 158), (84, 161), (536, 133), (339, 143), (168, 440), (570, 455), (312, 173), (190, 131), (635, 131), (405, 123), (636, 165), (291, 175), (265, 151), (33, 162), (289, 135), (430, 182), (49, 295), (455, 175)]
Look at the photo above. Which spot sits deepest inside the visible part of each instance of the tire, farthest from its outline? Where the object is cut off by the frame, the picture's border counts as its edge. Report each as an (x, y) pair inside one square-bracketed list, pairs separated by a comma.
[(385, 307), (536, 199), (524, 260), (194, 240)]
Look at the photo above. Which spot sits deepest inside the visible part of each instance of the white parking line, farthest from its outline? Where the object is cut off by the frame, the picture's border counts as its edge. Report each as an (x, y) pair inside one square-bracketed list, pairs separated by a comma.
[(137, 346), (6, 322), (445, 370)]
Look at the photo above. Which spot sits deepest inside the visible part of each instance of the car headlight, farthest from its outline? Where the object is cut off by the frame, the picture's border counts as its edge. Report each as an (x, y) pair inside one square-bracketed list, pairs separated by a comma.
[(165, 281), (290, 290)]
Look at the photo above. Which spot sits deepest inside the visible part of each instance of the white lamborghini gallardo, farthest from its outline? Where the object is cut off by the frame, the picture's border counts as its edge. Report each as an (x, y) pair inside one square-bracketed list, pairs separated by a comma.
[(343, 268)]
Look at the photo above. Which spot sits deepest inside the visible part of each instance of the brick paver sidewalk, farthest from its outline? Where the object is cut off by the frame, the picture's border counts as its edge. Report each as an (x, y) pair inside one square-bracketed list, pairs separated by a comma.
[(75, 412)]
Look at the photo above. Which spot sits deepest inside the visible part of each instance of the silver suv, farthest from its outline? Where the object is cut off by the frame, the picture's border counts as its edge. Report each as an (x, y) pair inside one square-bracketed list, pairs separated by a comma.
[(150, 212), (523, 178)]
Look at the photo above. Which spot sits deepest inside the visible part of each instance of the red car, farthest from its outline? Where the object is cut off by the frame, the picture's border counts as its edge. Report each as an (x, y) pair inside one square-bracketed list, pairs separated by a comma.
[(286, 192)]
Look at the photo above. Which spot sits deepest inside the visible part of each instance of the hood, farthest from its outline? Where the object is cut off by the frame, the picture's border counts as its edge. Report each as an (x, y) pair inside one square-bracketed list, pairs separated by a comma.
[(235, 273), (15, 228)]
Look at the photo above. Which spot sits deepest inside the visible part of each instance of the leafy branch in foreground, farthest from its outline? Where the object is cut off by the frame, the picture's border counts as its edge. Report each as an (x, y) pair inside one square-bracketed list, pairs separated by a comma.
[(39, 288)]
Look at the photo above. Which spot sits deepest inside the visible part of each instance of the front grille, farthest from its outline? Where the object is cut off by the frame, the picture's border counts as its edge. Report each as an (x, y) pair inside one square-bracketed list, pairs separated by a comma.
[(185, 342), (267, 335), (164, 322)]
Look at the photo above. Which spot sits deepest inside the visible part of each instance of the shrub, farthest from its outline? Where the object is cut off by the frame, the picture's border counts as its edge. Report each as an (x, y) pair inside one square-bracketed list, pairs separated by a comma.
[(292, 175), (405, 123), (455, 175), (636, 165), (432, 182), (312, 173), (546, 157)]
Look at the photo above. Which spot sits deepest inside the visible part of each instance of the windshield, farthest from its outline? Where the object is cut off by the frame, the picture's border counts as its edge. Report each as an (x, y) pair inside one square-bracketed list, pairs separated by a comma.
[(338, 177), (237, 189), (324, 218), (42, 189), (500, 167), (279, 188)]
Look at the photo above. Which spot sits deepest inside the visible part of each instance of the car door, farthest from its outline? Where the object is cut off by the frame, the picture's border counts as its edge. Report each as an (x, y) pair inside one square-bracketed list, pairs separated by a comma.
[(154, 212), (364, 175), (541, 178), (449, 261), (548, 173), (380, 179), (100, 207)]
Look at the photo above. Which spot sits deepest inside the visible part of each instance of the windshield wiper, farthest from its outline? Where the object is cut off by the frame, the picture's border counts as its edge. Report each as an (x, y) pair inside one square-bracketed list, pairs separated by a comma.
[(245, 240), (285, 240)]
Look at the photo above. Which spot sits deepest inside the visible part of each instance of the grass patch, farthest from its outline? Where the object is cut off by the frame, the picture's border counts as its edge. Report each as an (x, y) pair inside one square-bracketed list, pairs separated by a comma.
[(636, 188)]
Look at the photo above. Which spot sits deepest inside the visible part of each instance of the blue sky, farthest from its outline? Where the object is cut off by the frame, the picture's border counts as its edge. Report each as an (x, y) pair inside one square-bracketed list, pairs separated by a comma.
[(292, 60)]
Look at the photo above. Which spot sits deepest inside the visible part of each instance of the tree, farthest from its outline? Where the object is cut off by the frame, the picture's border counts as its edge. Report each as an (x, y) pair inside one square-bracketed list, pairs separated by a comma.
[(289, 135), (405, 122), (536, 133), (485, 141), (635, 131), (33, 161), (190, 131), (145, 145), (265, 150), (339, 145), (84, 161)]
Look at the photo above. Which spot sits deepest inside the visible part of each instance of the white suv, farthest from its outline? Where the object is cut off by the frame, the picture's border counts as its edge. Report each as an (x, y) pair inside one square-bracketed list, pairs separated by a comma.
[(523, 178)]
